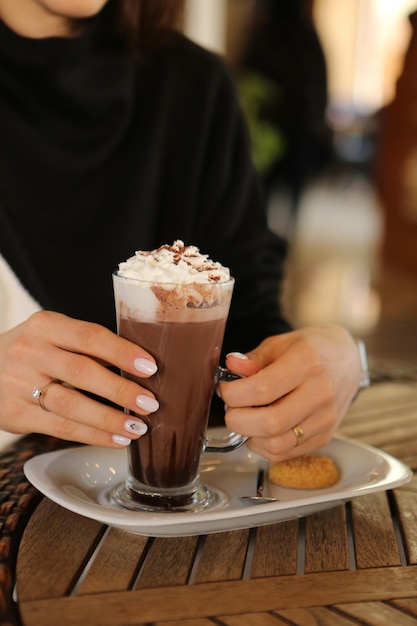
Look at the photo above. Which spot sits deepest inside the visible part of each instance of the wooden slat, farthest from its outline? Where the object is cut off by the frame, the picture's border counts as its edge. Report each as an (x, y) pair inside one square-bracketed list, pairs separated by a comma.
[(389, 407), (408, 605), (223, 557), (385, 417), (381, 397), (55, 546), (187, 622), (385, 435), (227, 598), (169, 562), (386, 400), (252, 619), (406, 500), (377, 614), (275, 552), (374, 536), (403, 392), (315, 616), (115, 566), (326, 542)]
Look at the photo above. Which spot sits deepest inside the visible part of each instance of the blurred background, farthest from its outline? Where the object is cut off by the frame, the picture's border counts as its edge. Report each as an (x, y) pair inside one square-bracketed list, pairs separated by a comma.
[(329, 89)]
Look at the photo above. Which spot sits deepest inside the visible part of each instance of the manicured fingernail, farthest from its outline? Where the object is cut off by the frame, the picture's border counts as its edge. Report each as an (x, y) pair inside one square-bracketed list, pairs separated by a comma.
[(145, 366), (121, 441), (147, 403), (239, 355), (135, 426)]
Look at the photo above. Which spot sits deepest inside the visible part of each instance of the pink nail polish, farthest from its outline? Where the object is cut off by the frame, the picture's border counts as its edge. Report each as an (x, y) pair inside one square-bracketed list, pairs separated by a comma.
[(145, 366), (120, 440), (147, 403)]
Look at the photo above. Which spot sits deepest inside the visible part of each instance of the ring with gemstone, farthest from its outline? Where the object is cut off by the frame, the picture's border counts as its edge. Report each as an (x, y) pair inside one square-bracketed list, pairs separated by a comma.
[(39, 393)]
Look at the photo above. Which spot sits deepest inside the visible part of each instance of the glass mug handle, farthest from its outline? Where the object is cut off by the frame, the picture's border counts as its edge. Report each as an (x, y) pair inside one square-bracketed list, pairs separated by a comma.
[(232, 441)]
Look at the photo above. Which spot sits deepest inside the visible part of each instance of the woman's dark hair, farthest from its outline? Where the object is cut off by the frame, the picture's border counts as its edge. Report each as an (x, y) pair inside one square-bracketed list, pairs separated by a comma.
[(146, 24)]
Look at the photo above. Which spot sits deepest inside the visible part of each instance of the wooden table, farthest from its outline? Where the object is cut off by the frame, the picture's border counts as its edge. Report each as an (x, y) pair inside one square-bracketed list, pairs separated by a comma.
[(353, 564)]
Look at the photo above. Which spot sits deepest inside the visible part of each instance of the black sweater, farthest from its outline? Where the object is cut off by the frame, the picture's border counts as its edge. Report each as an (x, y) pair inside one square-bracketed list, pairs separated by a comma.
[(102, 155)]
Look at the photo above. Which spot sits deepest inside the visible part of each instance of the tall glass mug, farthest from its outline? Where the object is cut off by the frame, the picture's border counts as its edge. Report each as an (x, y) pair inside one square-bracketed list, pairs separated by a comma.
[(182, 327)]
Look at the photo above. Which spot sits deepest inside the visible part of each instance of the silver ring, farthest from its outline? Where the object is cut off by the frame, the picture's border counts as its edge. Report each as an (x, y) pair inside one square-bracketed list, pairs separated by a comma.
[(299, 433), (40, 393)]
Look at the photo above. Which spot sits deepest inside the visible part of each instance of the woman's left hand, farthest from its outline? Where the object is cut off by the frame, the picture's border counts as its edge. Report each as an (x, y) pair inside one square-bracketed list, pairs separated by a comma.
[(302, 381)]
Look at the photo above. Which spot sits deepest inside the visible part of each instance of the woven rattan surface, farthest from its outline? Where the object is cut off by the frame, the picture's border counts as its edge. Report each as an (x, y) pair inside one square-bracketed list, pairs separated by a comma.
[(17, 501)]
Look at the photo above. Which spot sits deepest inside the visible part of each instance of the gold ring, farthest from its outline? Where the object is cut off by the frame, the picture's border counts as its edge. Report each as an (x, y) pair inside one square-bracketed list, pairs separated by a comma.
[(40, 394), (298, 432)]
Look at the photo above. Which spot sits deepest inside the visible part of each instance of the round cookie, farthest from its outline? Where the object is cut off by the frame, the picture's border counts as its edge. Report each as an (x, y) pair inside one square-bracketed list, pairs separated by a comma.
[(305, 472)]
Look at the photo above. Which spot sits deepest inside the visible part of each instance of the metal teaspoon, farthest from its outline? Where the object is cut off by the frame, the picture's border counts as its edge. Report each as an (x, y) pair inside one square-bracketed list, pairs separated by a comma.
[(259, 498)]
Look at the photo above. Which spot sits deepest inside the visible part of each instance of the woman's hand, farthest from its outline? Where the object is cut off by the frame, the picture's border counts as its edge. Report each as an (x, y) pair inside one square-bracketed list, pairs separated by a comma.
[(305, 379), (53, 347)]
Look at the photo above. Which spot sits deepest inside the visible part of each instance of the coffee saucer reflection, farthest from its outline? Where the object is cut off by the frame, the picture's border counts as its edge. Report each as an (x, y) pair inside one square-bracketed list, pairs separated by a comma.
[(206, 498), (80, 478)]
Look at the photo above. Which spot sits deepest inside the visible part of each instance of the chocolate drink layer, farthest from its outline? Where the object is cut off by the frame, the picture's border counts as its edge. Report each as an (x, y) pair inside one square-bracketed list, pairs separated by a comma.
[(187, 356)]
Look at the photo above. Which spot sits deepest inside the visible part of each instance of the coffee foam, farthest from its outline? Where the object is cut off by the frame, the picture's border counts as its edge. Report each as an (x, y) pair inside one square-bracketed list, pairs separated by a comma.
[(172, 283)]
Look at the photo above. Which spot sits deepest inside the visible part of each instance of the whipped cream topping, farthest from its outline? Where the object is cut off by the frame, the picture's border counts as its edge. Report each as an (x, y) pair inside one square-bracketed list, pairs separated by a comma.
[(176, 263)]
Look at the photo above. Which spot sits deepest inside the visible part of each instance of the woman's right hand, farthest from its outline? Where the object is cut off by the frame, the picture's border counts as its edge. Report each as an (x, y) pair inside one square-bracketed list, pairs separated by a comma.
[(49, 347)]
